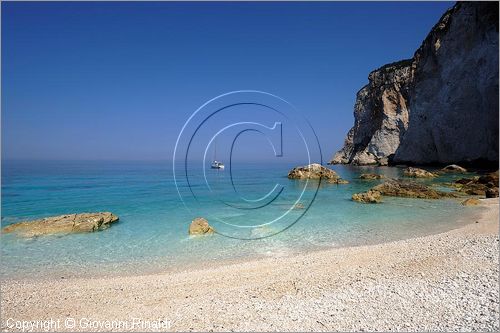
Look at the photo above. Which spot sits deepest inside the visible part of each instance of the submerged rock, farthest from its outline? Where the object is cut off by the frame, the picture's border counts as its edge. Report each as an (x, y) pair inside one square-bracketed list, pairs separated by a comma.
[(418, 173), (478, 185), (299, 205), (371, 176), (454, 168), (367, 197), (471, 202), (315, 171), (63, 224), (408, 189), (492, 192), (474, 189), (338, 181), (200, 226)]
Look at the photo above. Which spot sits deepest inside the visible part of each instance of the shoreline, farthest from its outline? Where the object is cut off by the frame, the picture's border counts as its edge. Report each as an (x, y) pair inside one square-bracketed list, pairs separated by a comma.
[(158, 267), (445, 281)]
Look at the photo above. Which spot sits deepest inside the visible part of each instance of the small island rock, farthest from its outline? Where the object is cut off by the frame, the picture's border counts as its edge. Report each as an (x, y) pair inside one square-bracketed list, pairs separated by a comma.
[(200, 226), (367, 197), (338, 181), (407, 189), (418, 173), (478, 185), (316, 171), (454, 168), (63, 224), (312, 171), (371, 176)]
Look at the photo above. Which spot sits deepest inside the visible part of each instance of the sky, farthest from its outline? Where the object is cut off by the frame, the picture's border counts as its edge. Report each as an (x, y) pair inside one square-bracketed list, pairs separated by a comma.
[(118, 80)]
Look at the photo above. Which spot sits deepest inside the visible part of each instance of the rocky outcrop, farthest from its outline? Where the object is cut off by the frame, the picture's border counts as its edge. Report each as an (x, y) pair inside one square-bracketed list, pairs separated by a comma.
[(418, 173), (315, 171), (485, 185), (454, 168), (474, 189), (367, 197), (471, 202), (380, 117), (370, 176), (200, 226), (63, 224), (408, 189), (491, 192), (337, 181), (441, 106)]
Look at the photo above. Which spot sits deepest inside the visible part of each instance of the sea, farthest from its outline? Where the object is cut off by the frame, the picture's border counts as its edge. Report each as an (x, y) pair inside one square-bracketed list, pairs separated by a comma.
[(256, 210)]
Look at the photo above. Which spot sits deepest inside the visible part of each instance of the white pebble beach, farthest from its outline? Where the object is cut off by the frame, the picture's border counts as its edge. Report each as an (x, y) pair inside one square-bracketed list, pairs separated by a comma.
[(442, 282)]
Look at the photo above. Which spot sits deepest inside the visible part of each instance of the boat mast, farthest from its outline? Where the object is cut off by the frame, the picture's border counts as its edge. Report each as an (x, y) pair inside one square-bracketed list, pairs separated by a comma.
[(215, 150)]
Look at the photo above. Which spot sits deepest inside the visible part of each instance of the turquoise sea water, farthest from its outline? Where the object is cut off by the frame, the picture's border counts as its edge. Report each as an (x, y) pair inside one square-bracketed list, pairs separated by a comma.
[(152, 232)]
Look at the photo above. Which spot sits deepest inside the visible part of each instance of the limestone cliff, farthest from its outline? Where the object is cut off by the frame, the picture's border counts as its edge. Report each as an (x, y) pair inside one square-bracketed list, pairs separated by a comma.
[(441, 106), (381, 116)]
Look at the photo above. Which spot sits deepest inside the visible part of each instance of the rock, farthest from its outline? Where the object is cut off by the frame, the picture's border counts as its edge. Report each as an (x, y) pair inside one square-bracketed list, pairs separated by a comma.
[(407, 189), (200, 226), (446, 184), (383, 161), (474, 189), (471, 202), (464, 181), (367, 197), (299, 205), (491, 179), (492, 192), (338, 181), (418, 173), (63, 224), (314, 171), (371, 176), (441, 106), (478, 185), (454, 168)]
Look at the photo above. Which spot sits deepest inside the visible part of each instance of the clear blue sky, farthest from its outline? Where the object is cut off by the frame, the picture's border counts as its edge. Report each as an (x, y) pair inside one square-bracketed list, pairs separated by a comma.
[(118, 80)]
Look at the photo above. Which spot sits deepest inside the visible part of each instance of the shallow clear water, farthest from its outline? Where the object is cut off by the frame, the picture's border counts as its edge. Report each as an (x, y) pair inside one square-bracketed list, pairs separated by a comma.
[(152, 232)]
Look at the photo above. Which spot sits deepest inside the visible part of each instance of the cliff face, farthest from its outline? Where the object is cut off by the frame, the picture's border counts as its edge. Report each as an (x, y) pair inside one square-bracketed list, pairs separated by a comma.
[(381, 116), (454, 100), (441, 106)]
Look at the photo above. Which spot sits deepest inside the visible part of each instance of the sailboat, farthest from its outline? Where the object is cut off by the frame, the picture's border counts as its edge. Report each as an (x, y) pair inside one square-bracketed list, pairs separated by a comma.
[(216, 164)]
